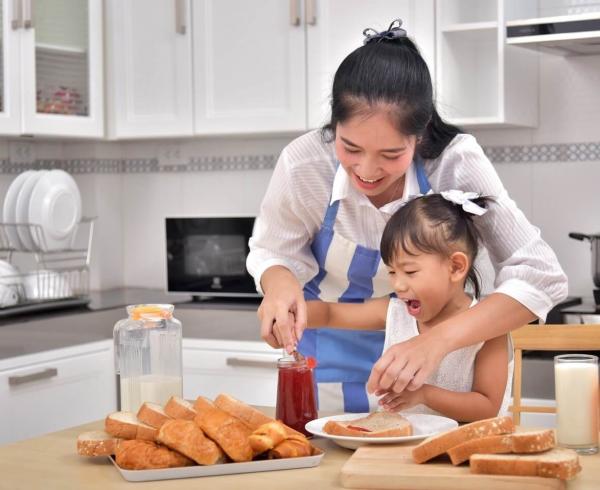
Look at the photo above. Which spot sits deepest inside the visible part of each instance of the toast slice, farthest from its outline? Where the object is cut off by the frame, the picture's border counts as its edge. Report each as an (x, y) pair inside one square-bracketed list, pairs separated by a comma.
[(146, 455), (96, 443), (152, 414), (125, 425), (187, 438), (179, 408), (377, 424), (440, 443), (227, 431), (203, 404), (557, 463), (520, 442)]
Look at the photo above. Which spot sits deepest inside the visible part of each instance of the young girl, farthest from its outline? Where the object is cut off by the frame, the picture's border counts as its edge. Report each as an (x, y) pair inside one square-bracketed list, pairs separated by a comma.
[(429, 246), (332, 192)]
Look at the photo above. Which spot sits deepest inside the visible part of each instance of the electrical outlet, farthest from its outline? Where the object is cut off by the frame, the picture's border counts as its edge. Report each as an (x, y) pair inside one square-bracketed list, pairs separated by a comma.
[(21, 152), (170, 154)]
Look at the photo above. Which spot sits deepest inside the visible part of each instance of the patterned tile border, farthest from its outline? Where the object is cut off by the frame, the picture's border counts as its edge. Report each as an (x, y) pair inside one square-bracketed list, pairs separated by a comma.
[(568, 152)]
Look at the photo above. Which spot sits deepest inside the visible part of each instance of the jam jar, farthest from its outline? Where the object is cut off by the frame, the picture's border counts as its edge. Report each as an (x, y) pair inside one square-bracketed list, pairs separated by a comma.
[(296, 401)]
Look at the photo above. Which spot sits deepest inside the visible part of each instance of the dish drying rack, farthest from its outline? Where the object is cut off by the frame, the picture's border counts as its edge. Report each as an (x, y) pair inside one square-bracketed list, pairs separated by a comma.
[(46, 278)]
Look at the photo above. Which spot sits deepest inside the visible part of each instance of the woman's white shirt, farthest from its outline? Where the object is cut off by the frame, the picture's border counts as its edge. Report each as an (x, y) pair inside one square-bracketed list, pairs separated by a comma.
[(307, 178)]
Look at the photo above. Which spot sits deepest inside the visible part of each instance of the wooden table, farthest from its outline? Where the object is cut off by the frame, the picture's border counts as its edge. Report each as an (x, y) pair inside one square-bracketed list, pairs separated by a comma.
[(51, 462)]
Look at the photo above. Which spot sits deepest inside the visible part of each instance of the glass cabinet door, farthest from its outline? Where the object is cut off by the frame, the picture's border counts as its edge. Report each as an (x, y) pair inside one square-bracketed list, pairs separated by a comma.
[(62, 70), (10, 88)]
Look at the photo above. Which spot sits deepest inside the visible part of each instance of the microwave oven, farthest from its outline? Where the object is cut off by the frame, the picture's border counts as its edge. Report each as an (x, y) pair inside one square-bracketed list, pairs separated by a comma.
[(206, 256)]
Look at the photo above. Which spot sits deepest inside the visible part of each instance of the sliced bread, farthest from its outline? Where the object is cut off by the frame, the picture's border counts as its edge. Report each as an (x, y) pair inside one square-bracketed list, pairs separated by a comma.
[(152, 414), (187, 438), (440, 443), (146, 455), (203, 404), (96, 443), (125, 425), (377, 424), (179, 408), (557, 463), (520, 442)]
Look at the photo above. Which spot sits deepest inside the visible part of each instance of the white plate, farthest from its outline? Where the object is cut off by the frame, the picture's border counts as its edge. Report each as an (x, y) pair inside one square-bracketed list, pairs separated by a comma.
[(55, 204), (22, 213), (220, 469), (424, 425), (9, 210)]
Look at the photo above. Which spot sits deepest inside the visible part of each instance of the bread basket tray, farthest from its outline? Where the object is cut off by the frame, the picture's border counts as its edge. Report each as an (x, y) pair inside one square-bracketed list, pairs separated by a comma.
[(221, 469)]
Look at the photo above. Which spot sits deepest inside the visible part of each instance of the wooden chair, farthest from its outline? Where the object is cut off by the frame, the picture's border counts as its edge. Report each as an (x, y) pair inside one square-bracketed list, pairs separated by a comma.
[(567, 338)]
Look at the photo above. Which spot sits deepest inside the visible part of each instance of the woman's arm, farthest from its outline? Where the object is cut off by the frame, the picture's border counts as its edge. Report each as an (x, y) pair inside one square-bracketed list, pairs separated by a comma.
[(370, 315), (482, 402)]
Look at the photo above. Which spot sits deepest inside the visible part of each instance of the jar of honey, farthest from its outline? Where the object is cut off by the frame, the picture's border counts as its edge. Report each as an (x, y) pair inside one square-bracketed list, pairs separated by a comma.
[(296, 401)]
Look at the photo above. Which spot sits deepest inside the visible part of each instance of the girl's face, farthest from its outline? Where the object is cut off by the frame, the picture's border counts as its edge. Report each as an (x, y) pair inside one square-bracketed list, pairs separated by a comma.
[(375, 155), (428, 282)]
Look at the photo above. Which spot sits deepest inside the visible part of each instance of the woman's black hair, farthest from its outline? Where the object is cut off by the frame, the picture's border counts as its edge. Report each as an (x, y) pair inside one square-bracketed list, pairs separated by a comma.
[(432, 224), (390, 72)]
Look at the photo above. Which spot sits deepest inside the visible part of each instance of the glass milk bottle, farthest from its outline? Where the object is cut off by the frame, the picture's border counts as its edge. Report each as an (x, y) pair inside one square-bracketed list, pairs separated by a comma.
[(148, 355)]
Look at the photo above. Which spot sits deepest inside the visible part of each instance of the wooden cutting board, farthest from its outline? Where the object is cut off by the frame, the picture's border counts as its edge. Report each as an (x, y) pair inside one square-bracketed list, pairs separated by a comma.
[(392, 467)]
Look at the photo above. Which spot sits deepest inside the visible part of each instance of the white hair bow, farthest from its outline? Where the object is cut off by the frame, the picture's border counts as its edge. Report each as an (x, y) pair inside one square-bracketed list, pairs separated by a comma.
[(463, 199)]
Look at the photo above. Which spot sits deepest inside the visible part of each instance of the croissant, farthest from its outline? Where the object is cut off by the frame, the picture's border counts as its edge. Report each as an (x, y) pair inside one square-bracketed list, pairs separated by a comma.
[(146, 455), (267, 436), (292, 447)]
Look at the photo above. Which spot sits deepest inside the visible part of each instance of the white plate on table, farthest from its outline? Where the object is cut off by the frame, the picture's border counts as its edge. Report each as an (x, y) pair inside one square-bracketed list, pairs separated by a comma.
[(424, 425), (22, 209), (55, 205), (9, 210), (220, 469)]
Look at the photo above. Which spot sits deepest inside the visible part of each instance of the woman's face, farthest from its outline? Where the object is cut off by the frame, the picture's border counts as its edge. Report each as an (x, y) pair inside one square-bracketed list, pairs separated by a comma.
[(375, 155)]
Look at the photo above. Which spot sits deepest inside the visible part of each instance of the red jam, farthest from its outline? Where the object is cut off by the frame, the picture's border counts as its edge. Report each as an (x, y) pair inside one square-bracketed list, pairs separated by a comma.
[(296, 402)]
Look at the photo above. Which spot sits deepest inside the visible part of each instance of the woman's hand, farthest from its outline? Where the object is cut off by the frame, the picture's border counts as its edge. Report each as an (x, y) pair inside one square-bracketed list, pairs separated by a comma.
[(282, 313), (407, 365)]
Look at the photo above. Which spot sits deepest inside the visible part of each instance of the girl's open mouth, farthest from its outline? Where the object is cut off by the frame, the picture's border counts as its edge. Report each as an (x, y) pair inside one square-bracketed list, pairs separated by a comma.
[(413, 306)]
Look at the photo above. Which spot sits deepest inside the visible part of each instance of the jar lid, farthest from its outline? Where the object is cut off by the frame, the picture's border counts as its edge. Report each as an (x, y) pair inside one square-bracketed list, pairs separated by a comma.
[(150, 312)]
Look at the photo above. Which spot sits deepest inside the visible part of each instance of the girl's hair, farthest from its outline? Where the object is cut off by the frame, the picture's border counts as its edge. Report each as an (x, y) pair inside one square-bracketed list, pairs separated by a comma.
[(390, 74), (434, 225)]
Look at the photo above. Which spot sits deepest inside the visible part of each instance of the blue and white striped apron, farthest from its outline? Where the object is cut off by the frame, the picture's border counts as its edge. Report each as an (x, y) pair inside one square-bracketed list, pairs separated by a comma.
[(345, 357)]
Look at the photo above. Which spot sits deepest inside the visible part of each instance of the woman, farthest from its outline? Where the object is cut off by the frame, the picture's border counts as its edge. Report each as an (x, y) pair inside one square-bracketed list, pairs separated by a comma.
[(329, 199)]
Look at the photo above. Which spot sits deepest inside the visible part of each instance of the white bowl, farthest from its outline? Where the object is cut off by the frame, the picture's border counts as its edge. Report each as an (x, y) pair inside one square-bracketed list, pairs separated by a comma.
[(9, 296)]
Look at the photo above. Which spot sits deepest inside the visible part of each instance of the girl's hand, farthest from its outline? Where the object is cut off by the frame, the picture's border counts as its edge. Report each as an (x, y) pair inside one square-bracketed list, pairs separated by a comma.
[(395, 402), (407, 365), (282, 313)]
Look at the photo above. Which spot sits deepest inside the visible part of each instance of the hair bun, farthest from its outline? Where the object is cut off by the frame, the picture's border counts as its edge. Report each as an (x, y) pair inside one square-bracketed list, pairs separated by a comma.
[(393, 32)]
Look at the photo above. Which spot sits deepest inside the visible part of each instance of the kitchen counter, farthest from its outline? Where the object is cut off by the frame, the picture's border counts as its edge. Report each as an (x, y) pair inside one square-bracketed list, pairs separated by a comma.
[(51, 462), (46, 331)]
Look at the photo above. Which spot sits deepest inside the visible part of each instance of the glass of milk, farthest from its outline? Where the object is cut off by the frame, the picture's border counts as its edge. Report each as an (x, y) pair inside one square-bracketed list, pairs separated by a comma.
[(576, 383)]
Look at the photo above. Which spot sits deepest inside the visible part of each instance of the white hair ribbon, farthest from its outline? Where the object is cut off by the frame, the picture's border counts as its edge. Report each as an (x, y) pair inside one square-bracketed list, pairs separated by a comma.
[(463, 199)]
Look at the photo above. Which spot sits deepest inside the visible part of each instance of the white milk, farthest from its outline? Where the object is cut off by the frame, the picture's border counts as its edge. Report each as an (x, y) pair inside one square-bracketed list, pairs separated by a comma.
[(148, 388), (576, 403)]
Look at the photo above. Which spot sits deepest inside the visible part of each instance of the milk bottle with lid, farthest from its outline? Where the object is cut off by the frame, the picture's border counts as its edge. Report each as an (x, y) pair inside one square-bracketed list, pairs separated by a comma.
[(148, 355)]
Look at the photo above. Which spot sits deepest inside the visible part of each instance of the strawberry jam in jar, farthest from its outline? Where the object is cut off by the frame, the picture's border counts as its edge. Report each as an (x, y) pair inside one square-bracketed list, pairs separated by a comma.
[(296, 401)]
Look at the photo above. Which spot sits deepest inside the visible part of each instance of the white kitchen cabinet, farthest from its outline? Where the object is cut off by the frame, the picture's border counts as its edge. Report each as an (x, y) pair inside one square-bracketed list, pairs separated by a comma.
[(334, 30), (51, 68), (149, 68), (249, 66), (245, 370), (258, 65), (481, 81), (56, 389)]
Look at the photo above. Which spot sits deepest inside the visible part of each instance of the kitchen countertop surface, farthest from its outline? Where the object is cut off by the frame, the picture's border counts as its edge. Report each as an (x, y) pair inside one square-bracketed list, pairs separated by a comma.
[(32, 333), (51, 462)]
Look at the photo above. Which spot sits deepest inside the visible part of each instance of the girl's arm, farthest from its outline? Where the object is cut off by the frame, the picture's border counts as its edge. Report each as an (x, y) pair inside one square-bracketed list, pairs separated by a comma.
[(482, 402), (370, 315)]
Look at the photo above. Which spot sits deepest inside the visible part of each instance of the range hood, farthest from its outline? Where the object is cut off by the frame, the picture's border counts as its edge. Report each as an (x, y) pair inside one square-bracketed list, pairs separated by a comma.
[(577, 34)]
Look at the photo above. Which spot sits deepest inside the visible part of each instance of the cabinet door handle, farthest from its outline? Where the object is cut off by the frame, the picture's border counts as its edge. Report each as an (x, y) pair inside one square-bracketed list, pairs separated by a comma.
[(295, 12), (180, 10), (248, 362), (28, 378), (27, 14), (311, 12), (17, 20)]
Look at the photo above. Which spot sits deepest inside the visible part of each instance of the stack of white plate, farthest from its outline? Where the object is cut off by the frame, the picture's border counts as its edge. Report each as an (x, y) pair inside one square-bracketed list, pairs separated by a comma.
[(48, 198)]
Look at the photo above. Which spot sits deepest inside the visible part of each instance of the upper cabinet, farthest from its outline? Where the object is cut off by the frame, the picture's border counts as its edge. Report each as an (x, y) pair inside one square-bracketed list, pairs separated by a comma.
[(51, 68), (482, 81), (183, 67)]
